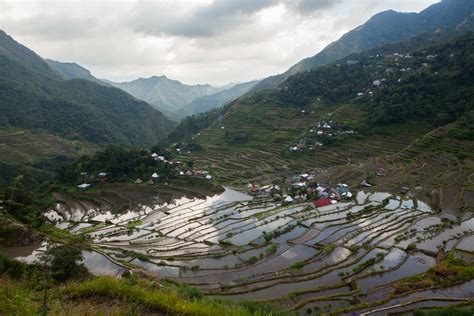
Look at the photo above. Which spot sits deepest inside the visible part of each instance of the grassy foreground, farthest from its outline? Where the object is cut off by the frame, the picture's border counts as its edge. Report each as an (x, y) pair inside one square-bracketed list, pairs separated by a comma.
[(110, 296)]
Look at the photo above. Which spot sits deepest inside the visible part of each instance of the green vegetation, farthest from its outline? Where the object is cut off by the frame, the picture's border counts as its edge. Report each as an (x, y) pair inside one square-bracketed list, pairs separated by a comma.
[(440, 93), (34, 96), (445, 311), (36, 154), (328, 248), (271, 249), (260, 128), (251, 260), (297, 265), (448, 272), (22, 286), (121, 165), (90, 229), (148, 296), (390, 26), (411, 247), (138, 255), (192, 124), (133, 224), (26, 205)]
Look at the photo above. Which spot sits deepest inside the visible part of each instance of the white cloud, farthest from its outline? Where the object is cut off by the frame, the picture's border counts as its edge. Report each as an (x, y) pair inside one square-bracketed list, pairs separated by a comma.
[(201, 41)]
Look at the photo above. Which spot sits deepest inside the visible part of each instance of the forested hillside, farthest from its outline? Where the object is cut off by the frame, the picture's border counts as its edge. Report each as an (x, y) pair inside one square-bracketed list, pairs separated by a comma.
[(35, 96), (385, 27), (403, 106)]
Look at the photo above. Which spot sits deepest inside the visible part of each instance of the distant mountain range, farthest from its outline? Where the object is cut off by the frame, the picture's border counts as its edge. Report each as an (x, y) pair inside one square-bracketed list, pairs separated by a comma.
[(385, 27), (34, 95), (209, 102), (161, 91), (171, 97)]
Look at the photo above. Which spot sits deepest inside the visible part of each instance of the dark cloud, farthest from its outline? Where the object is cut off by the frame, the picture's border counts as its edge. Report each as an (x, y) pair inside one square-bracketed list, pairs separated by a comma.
[(194, 41), (307, 7), (201, 21), (214, 18)]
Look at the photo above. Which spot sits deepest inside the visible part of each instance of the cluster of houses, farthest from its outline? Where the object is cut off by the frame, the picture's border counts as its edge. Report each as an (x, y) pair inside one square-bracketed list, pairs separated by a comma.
[(189, 173), (85, 178), (272, 190), (154, 177), (180, 170), (303, 188), (391, 64), (317, 132), (329, 128)]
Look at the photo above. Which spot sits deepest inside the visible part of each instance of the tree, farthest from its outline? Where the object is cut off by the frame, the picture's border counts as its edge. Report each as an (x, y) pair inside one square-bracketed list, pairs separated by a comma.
[(64, 263)]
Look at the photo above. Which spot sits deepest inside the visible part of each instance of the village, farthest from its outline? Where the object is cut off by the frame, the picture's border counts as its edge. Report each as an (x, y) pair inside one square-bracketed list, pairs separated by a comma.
[(179, 169), (320, 134), (305, 187), (301, 188), (385, 70)]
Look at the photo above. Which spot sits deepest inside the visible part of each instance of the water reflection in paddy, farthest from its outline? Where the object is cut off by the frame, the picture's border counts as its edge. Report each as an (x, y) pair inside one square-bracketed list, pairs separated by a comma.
[(98, 264), (416, 263), (223, 235)]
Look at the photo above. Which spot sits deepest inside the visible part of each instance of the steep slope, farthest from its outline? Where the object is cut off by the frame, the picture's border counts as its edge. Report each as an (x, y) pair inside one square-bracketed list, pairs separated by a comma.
[(35, 96), (29, 59), (74, 71), (165, 94), (382, 28), (250, 139)]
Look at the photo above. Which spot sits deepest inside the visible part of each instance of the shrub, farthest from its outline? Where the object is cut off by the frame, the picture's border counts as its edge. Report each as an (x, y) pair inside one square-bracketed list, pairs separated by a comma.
[(411, 247), (297, 265)]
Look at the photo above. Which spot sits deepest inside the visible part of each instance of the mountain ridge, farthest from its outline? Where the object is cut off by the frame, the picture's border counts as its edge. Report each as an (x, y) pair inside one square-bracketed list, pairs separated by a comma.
[(73, 70), (36, 96), (382, 28)]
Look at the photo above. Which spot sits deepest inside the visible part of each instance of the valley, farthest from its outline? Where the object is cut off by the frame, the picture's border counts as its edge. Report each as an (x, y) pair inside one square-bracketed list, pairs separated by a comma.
[(341, 186)]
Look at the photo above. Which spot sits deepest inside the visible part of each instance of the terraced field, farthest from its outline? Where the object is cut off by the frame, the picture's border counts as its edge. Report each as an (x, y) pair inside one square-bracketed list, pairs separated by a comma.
[(344, 258), (27, 145), (21, 149), (412, 154), (265, 156)]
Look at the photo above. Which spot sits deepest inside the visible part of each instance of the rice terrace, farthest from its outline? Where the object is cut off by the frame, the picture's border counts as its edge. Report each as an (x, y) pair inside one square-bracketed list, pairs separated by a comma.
[(358, 254), (237, 158)]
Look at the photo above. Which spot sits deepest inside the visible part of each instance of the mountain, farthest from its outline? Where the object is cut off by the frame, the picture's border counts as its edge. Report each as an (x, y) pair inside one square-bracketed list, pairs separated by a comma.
[(34, 96), (165, 94), (216, 100), (385, 27), (173, 98), (74, 71), (425, 88)]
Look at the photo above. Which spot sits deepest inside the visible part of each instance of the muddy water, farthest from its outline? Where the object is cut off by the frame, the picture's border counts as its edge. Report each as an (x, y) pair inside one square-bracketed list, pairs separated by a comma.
[(95, 262), (21, 253)]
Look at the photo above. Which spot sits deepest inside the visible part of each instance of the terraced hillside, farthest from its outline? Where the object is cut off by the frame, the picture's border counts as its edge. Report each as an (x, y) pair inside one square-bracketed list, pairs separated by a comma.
[(22, 151), (374, 252), (409, 112), (262, 157)]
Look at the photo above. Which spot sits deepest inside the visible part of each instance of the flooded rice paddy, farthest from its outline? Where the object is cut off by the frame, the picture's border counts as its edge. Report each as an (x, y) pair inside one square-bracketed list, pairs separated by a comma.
[(235, 247)]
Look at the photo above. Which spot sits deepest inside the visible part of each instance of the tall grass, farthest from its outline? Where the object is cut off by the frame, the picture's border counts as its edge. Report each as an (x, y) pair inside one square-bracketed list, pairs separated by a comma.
[(165, 300)]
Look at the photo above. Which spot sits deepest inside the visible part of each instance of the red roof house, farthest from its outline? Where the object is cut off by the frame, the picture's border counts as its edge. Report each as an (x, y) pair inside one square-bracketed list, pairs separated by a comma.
[(322, 202)]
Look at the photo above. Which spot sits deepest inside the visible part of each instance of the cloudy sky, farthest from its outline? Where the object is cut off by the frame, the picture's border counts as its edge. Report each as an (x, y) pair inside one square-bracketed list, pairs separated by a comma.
[(194, 41)]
